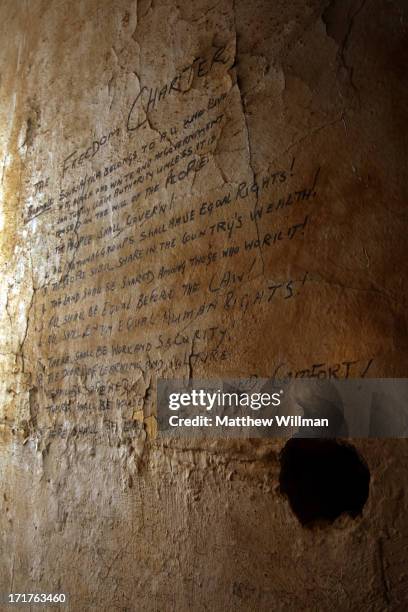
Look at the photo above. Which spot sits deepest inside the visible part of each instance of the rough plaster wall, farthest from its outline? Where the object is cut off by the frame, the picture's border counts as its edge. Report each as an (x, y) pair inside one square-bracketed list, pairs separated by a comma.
[(291, 118)]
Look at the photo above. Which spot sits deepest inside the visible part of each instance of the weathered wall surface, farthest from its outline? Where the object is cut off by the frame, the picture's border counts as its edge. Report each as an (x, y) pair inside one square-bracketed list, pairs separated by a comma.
[(195, 189)]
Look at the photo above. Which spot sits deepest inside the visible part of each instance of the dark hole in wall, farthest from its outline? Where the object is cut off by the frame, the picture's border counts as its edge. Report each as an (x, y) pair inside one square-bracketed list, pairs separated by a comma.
[(323, 479)]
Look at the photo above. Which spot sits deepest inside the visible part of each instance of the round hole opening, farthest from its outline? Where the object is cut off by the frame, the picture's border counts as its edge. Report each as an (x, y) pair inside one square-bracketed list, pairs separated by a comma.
[(323, 478)]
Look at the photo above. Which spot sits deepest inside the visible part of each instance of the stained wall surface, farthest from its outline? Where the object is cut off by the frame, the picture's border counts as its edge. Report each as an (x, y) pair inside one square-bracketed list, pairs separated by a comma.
[(195, 189)]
